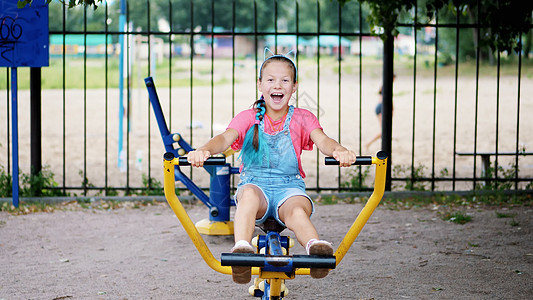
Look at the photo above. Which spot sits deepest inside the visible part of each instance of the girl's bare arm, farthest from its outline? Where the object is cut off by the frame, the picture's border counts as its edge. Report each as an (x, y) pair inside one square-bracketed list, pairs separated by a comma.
[(217, 144), (330, 147)]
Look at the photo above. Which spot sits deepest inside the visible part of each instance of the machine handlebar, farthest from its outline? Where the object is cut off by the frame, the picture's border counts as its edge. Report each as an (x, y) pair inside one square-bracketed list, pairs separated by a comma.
[(182, 160), (359, 161)]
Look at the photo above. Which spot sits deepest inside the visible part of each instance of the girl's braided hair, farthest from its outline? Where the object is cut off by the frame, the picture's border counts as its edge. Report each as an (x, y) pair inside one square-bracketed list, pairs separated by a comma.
[(260, 108), (254, 148)]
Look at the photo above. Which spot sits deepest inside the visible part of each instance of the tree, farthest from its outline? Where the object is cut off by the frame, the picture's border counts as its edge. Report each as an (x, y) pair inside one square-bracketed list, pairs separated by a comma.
[(502, 21)]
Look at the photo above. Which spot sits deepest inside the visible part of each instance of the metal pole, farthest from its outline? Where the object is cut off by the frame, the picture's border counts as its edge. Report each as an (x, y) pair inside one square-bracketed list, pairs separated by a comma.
[(386, 120), (15, 137), (35, 124), (122, 30)]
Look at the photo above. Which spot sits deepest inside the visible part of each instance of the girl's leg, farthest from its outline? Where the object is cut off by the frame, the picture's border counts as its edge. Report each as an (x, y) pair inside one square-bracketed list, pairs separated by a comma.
[(251, 205), (295, 213)]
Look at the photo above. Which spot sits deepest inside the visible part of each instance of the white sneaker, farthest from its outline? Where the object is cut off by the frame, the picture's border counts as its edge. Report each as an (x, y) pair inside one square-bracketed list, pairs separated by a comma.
[(242, 274), (319, 247)]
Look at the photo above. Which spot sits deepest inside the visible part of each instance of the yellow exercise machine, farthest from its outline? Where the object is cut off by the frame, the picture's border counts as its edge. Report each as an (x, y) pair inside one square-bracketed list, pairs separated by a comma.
[(274, 265)]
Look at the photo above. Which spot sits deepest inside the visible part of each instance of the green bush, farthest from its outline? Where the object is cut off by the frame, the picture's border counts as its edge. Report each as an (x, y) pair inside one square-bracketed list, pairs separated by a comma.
[(39, 185), (414, 175), (356, 179), (5, 183)]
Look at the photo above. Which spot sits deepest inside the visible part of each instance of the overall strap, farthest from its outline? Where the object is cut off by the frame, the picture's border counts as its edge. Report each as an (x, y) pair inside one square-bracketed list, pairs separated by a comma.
[(288, 118)]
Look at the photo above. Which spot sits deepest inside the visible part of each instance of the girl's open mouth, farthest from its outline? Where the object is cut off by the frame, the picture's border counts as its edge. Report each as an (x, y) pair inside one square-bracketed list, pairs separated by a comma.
[(276, 97)]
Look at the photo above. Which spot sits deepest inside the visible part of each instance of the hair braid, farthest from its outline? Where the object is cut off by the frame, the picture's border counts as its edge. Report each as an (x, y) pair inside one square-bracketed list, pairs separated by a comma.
[(260, 108)]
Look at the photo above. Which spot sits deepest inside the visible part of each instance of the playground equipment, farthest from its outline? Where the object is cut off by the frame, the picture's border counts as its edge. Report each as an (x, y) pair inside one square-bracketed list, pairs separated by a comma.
[(272, 263), (218, 201)]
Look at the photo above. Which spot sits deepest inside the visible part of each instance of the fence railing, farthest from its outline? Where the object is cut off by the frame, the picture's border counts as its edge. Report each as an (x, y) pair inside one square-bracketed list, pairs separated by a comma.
[(458, 124)]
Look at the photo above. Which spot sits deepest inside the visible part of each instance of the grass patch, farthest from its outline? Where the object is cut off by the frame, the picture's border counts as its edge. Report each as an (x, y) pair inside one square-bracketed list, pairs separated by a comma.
[(27, 208), (496, 199), (438, 202), (514, 223), (504, 215), (331, 199), (74, 205), (457, 217)]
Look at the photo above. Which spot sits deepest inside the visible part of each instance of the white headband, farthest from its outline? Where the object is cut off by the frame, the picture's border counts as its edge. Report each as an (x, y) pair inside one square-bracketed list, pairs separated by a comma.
[(286, 56)]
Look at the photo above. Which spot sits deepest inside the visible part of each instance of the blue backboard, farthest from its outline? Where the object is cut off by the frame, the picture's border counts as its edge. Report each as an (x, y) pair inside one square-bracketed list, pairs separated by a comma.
[(23, 34)]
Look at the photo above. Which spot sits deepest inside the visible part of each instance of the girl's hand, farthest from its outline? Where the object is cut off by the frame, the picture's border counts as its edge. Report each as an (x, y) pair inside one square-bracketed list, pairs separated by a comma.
[(197, 157), (345, 157)]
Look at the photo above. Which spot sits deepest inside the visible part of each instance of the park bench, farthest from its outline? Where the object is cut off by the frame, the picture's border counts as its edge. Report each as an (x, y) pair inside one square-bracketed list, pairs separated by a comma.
[(485, 158)]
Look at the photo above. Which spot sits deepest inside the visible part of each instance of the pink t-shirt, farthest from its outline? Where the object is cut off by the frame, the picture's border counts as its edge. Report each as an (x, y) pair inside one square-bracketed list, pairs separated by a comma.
[(303, 122)]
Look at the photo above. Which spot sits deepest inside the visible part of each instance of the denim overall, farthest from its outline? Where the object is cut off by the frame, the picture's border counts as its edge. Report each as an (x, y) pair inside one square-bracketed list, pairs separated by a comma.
[(278, 177)]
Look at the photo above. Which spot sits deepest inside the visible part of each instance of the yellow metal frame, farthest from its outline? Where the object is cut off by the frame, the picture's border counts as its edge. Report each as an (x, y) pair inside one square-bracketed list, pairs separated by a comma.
[(366, 212), (208, 227), (203, 249)]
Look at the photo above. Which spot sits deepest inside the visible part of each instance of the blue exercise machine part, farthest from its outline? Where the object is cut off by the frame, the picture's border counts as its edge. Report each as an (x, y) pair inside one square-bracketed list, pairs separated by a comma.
[(219, 201)]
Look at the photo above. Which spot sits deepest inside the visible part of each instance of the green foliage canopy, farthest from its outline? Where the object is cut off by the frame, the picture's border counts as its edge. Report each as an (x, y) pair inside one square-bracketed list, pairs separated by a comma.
[(505, 20), (502, 22)]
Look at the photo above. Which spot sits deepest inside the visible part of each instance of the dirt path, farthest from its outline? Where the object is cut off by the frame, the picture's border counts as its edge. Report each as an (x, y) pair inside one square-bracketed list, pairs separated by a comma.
[(144, 253)]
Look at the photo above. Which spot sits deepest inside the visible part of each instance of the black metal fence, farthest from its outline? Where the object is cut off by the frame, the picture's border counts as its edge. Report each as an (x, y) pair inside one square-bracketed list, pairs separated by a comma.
[(461, 121)]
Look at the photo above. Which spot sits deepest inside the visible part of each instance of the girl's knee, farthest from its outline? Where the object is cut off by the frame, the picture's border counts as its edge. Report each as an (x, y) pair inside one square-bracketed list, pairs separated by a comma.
[(250, 199), (296, 207), (250, 194)]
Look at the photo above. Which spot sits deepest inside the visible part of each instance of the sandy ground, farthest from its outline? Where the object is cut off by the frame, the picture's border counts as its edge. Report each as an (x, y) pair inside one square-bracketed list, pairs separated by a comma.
[(144, 253)]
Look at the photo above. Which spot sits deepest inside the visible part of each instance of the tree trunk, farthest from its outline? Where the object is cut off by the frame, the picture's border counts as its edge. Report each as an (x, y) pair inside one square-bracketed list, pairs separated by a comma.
[(475, 31)]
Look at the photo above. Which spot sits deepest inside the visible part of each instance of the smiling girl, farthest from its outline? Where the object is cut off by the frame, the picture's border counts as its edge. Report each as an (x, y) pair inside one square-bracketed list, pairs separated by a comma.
[(272, 136)]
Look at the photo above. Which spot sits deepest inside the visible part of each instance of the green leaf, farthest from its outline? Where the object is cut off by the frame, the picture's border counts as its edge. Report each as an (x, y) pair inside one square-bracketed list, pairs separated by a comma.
[(23, 3)]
